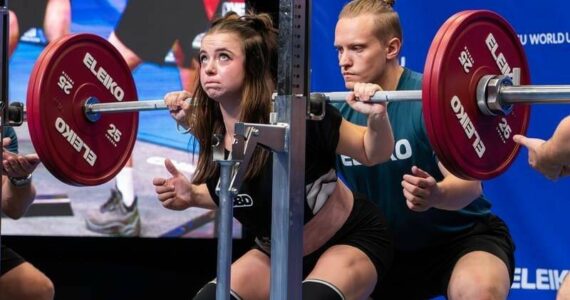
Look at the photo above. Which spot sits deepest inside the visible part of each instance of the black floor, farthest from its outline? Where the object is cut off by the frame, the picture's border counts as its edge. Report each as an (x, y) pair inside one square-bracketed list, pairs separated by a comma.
[(94, 268)]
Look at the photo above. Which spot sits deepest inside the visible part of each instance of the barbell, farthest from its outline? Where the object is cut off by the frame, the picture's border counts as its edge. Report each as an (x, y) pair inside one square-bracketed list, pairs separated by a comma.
[(474, 95)]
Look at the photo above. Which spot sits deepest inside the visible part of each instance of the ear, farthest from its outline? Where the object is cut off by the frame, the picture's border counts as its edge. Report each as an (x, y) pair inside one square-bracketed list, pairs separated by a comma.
[(393, 47)]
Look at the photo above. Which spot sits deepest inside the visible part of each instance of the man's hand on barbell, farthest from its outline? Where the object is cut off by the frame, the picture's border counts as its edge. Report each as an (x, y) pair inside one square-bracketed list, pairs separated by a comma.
[(361, 94)]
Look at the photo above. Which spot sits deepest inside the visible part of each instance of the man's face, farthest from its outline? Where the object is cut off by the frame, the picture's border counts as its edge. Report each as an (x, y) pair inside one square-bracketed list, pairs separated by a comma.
[(361, 55)]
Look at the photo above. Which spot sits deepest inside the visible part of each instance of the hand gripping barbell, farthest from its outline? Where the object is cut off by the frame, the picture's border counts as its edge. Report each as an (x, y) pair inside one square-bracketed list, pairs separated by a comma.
[(474, 96)]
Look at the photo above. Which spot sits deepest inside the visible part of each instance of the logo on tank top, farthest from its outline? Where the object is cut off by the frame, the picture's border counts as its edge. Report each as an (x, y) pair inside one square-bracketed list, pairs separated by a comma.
[(243, 200), (402, 150)]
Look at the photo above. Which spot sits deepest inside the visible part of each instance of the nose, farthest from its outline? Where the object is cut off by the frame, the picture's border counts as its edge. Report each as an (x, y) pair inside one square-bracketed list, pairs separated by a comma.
[(344, 59), (210, 67)]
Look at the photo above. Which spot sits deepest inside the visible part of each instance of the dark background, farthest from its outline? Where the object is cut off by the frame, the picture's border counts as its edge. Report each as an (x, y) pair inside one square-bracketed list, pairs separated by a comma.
[(96, 268)]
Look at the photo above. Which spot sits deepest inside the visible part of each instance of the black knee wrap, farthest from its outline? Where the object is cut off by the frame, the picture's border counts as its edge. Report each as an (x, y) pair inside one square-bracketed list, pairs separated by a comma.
[(320, 290), (208, 292)]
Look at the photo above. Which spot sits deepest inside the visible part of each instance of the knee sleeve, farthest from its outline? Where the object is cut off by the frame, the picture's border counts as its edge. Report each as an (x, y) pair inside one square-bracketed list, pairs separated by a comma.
[(208, 292), (314, 289)]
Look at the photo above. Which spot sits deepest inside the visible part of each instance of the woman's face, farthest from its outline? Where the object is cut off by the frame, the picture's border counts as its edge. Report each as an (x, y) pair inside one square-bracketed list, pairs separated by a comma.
[(222, 66)]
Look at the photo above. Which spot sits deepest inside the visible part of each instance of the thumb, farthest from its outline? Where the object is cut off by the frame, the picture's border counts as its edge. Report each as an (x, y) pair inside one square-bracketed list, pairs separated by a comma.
[(170, 167), (32, 159), (186, 103), (6, 141), (419, 172)]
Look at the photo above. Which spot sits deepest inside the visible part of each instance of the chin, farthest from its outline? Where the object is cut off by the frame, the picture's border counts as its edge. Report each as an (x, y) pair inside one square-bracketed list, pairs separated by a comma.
[(213, 94)]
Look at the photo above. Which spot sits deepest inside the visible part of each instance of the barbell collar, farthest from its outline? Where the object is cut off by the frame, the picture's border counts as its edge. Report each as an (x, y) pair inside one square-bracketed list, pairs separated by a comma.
[(487, 95)]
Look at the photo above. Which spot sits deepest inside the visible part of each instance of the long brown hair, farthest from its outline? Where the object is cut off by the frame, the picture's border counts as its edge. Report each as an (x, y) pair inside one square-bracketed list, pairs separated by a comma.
[(259, 44), (386, 18)]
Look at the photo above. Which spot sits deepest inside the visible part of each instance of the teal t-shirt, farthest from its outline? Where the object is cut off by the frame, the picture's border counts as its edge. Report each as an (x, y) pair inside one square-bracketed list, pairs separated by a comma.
[(9, 132), (382, 183)]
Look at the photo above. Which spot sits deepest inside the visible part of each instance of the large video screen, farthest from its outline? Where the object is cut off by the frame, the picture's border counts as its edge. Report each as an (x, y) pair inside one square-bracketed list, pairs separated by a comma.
[(159, 40)]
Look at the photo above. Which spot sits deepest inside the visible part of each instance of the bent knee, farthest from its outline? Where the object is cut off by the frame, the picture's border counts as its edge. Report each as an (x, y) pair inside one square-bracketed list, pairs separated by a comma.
[(478, 289), (43, 289), (38, 289)]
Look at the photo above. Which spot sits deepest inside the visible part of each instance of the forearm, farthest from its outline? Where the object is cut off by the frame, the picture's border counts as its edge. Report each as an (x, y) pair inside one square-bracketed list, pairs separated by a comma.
[(378, 139), (557, 148), (16, 200), (184, 122), (201, 197), (456, 193)]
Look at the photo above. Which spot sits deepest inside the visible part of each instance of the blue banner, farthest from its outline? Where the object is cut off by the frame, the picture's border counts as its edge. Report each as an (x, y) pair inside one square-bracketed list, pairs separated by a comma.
[(536, 210)]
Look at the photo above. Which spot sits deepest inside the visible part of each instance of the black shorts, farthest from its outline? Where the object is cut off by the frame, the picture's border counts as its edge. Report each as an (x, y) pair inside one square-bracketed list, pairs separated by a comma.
[(9, 260), (30, 13), (426, 274), (150, 27), (365, 229)]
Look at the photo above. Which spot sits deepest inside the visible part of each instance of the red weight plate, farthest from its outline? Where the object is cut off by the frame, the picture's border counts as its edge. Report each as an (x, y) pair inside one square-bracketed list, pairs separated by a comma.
[(433, 50), (469, 45), (74, 149)]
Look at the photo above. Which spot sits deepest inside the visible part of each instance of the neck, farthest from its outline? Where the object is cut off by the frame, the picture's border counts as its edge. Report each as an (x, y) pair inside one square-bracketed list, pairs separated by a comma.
[(230, 112), (392, 74)]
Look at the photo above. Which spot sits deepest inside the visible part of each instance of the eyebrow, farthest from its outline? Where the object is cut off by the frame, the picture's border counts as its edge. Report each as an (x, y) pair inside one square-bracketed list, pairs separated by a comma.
[(217, 50), (356, 44)]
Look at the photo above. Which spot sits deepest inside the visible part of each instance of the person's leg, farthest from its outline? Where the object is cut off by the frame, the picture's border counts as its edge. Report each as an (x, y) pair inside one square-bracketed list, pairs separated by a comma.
[(485, 263), (57, 20), (354, 260), (25, 282), (344, 269), (564, 290), (479, 275), (14, 34), (249, 278), (188, 71), (187, 40), (124, 180), (132, 59), (125, 184), (24, 15), (119, 215)]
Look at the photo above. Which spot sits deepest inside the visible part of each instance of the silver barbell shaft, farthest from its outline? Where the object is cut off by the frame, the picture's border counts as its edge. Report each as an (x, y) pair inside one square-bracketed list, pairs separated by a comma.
[(507, 94), (380, 96), (530, 94), (534, 94), (127, 106)]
